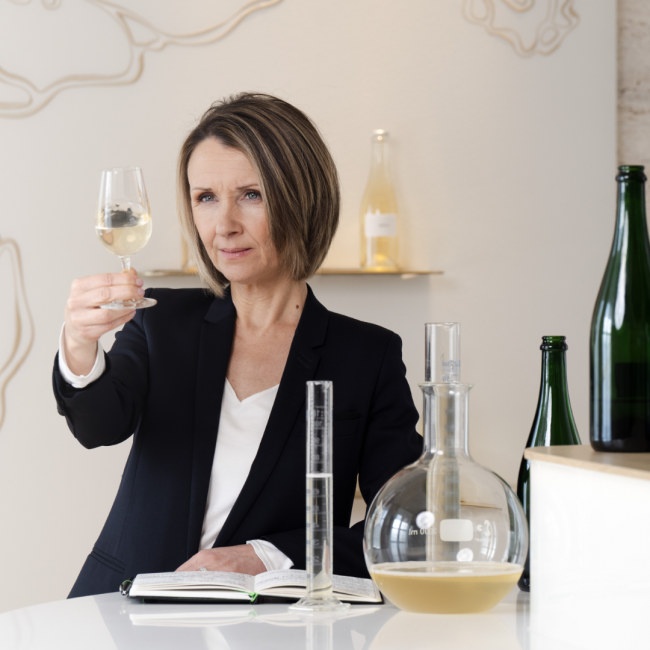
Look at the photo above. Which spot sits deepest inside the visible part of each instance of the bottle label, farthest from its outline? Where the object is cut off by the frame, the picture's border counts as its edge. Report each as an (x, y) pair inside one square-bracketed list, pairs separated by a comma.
[(380, 224)]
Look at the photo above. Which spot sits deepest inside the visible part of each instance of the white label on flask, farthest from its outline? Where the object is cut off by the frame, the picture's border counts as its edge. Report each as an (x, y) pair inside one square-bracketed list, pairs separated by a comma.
[(456, 530), (380, 224)]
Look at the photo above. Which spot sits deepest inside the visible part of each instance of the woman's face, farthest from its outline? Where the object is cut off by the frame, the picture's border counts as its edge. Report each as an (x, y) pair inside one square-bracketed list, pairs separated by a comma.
[(229, 213)]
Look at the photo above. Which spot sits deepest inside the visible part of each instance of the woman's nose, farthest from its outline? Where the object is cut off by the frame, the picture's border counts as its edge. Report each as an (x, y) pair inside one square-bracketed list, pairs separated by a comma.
[(228, 222)]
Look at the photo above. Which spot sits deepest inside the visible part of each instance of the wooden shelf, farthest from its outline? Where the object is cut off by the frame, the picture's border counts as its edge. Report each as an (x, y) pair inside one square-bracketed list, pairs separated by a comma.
[(360, 271), (170, 273), (584, 457), (403, 273)]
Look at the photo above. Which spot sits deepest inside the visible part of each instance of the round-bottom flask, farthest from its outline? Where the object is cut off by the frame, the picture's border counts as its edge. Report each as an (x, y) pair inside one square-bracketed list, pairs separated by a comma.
[(445, 535)]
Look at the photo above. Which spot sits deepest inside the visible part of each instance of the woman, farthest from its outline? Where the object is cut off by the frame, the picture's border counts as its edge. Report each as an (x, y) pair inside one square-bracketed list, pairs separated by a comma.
[(212, 385)]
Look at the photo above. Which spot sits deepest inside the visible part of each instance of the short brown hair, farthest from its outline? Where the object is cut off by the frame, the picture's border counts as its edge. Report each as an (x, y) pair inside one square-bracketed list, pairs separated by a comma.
[(298, 180)]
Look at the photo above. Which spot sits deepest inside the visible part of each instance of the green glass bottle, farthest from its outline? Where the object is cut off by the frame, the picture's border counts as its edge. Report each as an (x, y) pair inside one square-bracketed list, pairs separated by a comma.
[(620, 329), (553, 423)]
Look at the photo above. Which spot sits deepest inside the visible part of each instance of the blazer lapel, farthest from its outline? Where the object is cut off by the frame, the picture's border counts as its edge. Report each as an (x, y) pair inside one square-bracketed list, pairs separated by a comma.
[(289, 404), (215, 346)]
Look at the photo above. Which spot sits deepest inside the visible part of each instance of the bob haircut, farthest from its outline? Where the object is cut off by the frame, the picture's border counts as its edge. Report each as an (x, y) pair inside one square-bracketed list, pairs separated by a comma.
[(298, 180)]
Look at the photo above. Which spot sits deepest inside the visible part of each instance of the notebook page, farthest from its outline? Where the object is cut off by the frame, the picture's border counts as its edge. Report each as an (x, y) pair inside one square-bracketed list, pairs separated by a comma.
[(193, 579), (341, 584), (280, 578), (356, 586)]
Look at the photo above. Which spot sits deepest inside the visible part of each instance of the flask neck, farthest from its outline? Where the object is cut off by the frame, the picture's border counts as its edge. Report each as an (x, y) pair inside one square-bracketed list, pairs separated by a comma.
[(446, 410), (631, 226), (442, 352)]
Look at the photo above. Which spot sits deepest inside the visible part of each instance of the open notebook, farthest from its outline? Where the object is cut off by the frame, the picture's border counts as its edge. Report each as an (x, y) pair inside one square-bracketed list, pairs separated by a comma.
[(218, 585)]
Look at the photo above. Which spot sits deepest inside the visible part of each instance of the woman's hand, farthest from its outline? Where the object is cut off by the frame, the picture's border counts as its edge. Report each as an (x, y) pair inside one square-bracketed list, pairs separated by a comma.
[(234, 559), (85, 322)]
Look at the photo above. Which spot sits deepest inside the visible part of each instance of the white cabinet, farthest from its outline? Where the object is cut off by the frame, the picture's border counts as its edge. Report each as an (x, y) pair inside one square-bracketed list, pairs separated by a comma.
[(590, 547)]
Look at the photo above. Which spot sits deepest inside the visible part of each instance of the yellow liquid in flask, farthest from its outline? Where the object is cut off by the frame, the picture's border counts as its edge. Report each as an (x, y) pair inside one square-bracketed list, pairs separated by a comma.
[(446, 587)]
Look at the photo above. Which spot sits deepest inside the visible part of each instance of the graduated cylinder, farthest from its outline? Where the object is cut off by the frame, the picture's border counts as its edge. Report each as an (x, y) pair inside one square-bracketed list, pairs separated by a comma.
[(319, 504)]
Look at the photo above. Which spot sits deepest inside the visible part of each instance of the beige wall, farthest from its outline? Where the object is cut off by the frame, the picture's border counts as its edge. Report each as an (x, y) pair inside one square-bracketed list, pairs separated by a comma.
[(504, 162)]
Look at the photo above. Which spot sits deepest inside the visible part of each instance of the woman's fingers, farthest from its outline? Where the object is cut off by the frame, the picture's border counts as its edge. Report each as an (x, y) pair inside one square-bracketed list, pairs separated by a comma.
[(103, 280), (103, 295), (96, 331), (84, 315), (207, 558), (104, 319), (84, 321), (237, 559)]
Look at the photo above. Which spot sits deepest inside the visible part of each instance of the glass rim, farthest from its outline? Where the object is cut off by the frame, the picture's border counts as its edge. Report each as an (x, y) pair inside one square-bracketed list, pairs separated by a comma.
[(110, 170)]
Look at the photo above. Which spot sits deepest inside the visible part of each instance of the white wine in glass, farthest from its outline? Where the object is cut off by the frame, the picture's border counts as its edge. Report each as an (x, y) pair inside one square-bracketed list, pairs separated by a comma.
[(123, 222)]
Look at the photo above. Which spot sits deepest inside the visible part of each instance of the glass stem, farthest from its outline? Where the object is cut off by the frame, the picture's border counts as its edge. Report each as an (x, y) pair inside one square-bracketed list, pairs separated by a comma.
[(126, 263)]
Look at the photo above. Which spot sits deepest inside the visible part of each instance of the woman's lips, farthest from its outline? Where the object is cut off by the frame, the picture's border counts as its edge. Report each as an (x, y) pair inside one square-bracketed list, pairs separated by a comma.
[(234, 253)]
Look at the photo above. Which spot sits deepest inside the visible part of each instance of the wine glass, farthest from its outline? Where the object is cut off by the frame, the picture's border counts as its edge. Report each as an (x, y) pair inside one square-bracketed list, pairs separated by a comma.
[(123, 222)]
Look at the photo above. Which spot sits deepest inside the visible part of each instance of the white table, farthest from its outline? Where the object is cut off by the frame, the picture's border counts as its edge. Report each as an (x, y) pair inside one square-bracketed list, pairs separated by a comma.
[(111, 622)]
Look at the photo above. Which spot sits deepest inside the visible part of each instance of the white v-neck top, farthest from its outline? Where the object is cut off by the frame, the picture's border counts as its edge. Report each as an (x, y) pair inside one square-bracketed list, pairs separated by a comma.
[(241, 428)]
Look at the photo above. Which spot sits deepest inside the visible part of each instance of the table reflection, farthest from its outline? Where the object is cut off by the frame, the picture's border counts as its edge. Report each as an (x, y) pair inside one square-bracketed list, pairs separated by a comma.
[(235, 628), (111, 622), (420, 631), (362, 628)]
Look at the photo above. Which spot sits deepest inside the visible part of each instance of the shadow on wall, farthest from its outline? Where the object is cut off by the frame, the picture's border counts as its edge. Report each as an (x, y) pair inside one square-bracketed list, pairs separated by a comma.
[(16, 323), (115, 56)]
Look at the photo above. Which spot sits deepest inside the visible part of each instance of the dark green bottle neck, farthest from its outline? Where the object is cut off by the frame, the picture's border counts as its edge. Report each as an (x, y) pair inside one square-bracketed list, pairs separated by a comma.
[(554, 383), (631, 225), (554, 423)]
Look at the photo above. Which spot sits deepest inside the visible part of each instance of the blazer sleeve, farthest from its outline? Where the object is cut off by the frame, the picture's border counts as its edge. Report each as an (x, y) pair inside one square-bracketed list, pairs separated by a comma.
[(107, 411), (390, 442)]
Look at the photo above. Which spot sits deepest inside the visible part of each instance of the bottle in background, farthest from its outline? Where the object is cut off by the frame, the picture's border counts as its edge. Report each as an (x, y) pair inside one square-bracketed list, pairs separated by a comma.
[(553, 423), (379, 211), (620, 329)]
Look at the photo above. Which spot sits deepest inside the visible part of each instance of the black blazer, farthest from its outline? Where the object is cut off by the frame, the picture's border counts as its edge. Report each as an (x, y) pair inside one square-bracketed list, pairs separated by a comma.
[(164, 382)]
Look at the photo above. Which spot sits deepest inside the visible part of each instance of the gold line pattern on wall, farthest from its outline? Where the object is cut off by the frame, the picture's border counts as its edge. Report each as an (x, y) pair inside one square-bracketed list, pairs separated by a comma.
[(558, 20), (23, 324), (142, 36)]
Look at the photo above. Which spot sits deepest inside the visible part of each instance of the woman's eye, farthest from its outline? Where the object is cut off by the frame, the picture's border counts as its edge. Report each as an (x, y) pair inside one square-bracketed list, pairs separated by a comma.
[(253, 195), (204, 198)]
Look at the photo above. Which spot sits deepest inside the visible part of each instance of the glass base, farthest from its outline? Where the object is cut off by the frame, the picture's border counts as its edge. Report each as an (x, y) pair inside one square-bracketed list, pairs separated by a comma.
[(141, 303), (313, 605)]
